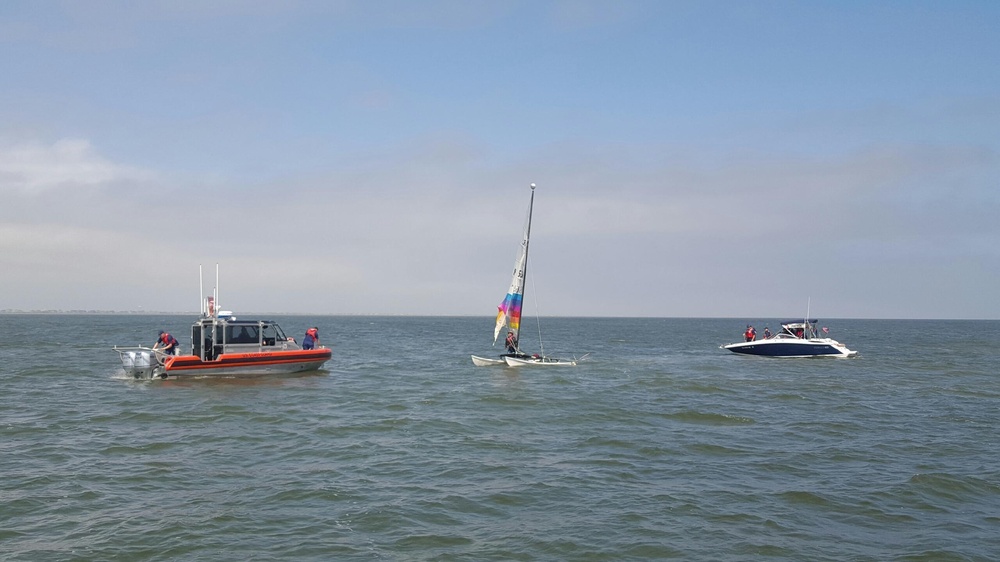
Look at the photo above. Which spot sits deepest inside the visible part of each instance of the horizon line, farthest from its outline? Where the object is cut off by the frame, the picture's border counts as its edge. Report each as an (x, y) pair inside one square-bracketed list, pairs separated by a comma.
[(82, 312)]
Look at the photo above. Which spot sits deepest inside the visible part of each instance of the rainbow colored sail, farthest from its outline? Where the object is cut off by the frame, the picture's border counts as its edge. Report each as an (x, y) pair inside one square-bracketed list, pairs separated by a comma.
[(509, 311), (509, 314)]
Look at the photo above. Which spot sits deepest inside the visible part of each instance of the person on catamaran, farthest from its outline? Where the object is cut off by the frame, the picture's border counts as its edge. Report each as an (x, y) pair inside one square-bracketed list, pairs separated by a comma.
[(511, 342), (170, 343), (311, 340), (750, 334)]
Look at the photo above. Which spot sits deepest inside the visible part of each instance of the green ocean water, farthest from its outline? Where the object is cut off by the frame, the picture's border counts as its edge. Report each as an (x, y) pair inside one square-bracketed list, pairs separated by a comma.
[(659, 445)]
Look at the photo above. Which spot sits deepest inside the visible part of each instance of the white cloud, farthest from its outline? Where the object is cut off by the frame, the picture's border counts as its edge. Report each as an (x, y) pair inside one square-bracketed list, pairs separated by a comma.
[(67, 163), (422, 230)]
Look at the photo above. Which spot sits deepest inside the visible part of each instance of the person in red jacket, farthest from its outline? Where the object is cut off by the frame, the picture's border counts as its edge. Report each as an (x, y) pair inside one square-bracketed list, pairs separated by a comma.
[(750, 334), (311, 340), (169, 343)]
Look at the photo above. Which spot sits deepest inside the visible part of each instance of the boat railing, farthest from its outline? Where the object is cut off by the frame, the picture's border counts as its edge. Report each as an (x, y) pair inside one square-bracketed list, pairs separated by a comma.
[(159, 354), (268, 344)]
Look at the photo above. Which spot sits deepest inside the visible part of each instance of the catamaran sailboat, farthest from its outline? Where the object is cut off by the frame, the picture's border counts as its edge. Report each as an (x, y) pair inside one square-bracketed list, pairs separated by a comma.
[(509, 314)]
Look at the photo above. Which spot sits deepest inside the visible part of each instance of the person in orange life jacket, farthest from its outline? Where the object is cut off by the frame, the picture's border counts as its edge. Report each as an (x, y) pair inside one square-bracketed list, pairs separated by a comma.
[(170, 343), (311, 340), (750, 334), (511, 342)]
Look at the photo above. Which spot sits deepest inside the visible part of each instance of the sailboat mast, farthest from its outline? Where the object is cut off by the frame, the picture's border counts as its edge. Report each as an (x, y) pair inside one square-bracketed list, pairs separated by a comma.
[(527, 240)]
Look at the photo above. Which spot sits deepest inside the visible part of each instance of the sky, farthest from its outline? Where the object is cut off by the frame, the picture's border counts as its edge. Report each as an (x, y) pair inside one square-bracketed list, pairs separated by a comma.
[(743, 159)]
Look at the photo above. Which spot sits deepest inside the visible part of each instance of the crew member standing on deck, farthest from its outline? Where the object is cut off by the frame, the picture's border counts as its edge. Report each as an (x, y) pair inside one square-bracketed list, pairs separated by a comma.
[(750, 334), (311, 340), (169, 343)]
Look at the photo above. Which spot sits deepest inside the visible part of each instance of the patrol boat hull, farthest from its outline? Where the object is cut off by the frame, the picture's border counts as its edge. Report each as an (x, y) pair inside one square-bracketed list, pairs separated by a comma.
[(246, 364)]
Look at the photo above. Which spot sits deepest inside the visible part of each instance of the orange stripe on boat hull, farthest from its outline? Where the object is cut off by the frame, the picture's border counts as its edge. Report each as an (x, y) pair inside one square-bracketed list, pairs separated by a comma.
[(263, 362)]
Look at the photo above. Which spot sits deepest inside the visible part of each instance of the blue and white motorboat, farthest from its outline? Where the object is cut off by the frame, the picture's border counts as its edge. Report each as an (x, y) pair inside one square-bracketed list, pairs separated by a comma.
[(797, 338)]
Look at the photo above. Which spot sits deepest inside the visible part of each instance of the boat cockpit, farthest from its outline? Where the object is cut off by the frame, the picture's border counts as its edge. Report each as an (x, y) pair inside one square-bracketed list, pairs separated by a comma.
[(211, 337)]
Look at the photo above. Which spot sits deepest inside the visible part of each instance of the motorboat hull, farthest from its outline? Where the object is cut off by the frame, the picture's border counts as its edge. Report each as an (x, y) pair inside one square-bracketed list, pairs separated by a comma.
[(792, 347)]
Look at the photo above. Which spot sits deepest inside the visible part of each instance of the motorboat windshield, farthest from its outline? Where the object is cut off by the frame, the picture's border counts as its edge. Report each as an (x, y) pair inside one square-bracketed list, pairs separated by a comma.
[(804, 329)]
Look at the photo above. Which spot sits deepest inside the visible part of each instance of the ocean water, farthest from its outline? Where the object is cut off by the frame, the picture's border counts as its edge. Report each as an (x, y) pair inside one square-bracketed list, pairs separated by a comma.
[(659, 445)]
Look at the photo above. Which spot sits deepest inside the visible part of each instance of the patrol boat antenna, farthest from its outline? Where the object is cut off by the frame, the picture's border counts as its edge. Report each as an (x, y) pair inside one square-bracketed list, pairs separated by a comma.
[(211, 304), (201, 291)]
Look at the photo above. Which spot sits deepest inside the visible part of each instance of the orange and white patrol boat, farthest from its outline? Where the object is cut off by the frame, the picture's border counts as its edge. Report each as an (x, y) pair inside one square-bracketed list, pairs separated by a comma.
[(222, 345)]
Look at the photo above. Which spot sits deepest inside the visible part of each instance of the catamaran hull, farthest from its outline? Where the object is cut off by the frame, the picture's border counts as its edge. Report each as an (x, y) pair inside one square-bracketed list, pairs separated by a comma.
[(779, 347), (487, 362), (490, 362), (537, 362)]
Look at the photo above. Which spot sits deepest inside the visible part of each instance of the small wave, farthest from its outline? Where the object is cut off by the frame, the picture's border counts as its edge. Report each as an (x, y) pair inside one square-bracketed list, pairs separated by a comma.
[(715, 450), (953, 487), (707, 418), (935, 555), (423, 542), (801, 497)]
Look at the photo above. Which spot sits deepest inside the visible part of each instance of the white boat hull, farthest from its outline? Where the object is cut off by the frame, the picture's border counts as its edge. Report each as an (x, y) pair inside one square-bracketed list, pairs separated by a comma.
[(499, 360), (792, 347), (537, 362), (486, 361)]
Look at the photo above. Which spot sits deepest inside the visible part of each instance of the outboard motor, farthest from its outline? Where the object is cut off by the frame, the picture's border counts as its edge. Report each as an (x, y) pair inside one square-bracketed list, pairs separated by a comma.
[(143, 368), (128, 361), (138, 363)]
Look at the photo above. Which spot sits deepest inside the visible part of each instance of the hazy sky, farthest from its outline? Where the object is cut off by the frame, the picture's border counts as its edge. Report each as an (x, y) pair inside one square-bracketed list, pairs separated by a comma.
[(692, 158)]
